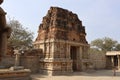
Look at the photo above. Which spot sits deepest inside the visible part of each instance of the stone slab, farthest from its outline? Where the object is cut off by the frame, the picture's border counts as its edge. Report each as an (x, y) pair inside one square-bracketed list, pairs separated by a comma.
[(16, 68), (6, 74)]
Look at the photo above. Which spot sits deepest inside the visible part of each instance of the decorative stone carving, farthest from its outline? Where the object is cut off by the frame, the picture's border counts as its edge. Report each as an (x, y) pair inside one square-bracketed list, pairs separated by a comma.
[(60, 31), (58, 24), (17, 57)]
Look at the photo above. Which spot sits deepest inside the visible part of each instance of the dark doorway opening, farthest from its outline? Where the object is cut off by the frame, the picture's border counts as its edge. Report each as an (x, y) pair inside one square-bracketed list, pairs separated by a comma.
[(115, 61), (73, 55)]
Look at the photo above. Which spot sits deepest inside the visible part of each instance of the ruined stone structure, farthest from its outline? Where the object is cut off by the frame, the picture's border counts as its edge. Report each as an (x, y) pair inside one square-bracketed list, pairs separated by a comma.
[(4, 32), (8, 74), (29, 59), (61, 36), (108, 60), (113, 59), (98, 60)]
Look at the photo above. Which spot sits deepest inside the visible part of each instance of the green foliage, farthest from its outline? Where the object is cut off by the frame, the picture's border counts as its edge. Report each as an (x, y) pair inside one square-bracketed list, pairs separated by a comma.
[(117, 47), (105, 44), (20, 37), (98, 43), (95, 50)]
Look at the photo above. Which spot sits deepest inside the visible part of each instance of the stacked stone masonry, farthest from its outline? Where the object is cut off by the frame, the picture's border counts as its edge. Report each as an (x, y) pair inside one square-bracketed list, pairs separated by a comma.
[(62, 38), (15, 75), (98, 60), (29, 60)]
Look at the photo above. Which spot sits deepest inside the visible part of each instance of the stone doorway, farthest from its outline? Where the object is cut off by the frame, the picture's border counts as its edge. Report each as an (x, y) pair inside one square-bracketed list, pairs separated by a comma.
[(115, 61), (73, 55), (112, 61)]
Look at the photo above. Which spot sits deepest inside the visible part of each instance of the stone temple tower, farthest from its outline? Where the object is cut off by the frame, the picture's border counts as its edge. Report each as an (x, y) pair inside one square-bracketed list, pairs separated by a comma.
[(62, 38)]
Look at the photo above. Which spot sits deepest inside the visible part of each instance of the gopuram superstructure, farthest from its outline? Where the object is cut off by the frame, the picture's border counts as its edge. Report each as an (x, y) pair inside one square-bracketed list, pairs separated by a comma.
[(62, 38)]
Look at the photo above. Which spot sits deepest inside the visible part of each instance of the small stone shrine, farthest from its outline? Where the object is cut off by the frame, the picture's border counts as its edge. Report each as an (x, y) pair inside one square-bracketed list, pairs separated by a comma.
[(113, 59), (62, 38)]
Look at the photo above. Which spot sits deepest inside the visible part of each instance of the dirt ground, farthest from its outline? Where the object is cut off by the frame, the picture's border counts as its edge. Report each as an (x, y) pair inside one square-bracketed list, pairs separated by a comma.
[(96, 75)]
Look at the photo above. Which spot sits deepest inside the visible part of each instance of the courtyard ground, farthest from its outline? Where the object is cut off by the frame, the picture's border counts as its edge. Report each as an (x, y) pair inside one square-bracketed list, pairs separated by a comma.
[(96, 75)]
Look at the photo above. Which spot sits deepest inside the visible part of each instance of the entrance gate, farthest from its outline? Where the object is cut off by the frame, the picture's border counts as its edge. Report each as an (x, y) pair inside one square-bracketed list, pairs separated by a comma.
[(73, 55)]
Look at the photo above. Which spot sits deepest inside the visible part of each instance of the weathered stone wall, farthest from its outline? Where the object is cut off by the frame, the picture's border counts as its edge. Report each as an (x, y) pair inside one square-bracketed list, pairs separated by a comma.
[(29, 62), (63, 25), (98, 60), (16, 78), (15, 75), (7, 61), (109, 64), (62, 38)]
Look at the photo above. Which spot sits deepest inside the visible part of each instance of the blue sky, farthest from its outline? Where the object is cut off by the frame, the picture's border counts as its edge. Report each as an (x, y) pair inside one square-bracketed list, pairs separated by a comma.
[(100, 17)]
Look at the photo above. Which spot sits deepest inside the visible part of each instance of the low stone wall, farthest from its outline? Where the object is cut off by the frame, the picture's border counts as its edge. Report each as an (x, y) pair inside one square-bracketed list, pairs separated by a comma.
[(98, 60), (29, 62), (15, 75), (7, 61)]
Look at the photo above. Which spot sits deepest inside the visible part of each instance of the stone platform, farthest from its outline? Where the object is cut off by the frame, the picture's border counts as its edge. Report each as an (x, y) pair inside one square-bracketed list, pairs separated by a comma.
[(6, 74)]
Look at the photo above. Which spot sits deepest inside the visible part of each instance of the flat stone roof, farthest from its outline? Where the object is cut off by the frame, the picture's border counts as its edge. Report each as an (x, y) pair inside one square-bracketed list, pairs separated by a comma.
[(112, 53)]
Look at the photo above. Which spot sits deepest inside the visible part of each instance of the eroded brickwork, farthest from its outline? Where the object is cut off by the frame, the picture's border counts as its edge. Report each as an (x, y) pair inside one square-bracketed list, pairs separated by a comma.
[(61, 36), (61, 24)]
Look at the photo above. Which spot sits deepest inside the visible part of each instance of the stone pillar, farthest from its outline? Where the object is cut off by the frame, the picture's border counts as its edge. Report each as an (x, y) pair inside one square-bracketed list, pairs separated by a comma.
[(43, 47), (4, 32), (3, 43), (118, 56), (80, 51), (17, 57), (80, 54), (3, 35), (53, 49), (68, 48), (17, 61), (112, 60)]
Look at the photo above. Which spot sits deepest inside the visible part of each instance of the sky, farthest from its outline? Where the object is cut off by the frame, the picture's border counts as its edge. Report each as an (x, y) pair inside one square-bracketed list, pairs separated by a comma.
[(101, 18)]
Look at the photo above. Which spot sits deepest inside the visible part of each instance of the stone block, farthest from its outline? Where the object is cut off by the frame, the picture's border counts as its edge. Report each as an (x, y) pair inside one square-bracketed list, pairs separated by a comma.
[(16, 68)]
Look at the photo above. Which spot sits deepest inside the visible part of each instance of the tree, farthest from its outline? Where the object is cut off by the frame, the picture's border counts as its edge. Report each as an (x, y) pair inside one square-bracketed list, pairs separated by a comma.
[(117, 47), (20, 37), (104, 44)]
